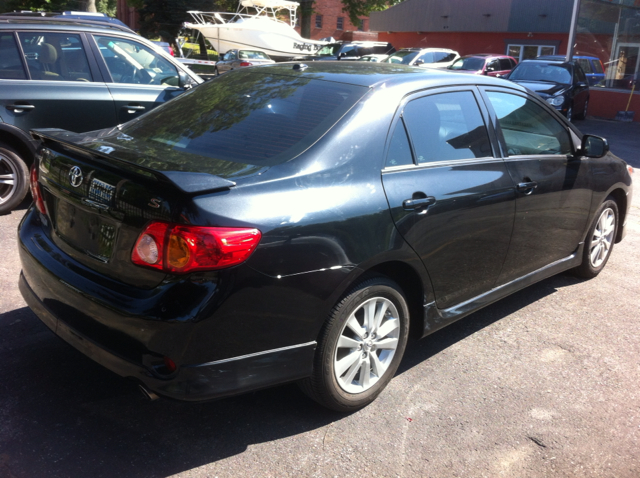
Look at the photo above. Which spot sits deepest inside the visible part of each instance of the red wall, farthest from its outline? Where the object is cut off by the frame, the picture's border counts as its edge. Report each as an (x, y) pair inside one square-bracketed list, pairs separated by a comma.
[(466, 43), (606, 103)]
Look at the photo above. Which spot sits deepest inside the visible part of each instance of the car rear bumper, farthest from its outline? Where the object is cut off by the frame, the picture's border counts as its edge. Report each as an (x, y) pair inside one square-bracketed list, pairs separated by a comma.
[(128, 345)]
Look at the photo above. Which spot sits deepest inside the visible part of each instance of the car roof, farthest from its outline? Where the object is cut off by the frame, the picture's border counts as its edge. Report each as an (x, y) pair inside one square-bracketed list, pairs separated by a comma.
[(426, 49), (550, 61), (373, 75), (562, 57), (37, 22)]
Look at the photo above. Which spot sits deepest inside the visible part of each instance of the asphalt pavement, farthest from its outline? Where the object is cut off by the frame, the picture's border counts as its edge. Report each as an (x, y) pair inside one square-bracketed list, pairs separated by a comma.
[(542, 383)]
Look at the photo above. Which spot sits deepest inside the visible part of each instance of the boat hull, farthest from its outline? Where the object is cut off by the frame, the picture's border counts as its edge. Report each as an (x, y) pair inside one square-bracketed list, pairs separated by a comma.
[(278, 40)]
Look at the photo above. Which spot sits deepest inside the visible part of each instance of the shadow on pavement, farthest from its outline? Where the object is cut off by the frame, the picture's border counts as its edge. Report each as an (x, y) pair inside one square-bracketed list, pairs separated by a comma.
[(63, 415)]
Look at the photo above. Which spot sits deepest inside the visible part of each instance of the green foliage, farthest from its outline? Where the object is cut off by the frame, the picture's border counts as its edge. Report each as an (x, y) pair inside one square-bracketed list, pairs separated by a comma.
[(165, 17), (103, 6), (362, 8)]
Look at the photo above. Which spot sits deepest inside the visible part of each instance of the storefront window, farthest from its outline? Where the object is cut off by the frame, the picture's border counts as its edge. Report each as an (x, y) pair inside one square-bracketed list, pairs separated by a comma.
[(609, 30)]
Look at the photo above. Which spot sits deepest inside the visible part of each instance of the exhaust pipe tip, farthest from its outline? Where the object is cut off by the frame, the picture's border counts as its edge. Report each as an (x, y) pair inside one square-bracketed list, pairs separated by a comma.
[(148, 394)]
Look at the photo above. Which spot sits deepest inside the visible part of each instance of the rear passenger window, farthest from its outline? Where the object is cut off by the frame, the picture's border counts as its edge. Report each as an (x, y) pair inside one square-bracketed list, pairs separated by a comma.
[(585, 64), (399, 149), (528, 128), (505, 64), (55, 56), (446, 127), (10, 65)]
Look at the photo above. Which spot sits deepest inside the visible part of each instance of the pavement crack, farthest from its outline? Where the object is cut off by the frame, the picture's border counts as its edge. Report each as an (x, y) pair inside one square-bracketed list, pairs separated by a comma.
[(537, 441)]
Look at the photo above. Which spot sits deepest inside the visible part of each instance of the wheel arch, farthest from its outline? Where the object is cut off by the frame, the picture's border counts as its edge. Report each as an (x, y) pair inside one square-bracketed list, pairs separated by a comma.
[(412, 286), (620, 197), (18, 140)]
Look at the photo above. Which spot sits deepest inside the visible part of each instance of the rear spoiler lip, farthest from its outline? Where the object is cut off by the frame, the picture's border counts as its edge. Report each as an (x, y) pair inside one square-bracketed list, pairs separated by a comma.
[(188, 182)]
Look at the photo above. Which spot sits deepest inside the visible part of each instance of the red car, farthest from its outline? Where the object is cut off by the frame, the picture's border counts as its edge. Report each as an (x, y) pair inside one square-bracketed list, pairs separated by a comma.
[(484, 64)]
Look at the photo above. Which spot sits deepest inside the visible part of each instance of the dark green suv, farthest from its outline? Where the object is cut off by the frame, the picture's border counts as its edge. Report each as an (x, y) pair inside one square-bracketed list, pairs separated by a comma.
[(76, 76)]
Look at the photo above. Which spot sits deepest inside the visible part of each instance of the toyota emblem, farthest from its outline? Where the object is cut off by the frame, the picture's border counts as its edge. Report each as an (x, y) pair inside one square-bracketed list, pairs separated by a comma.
[(75, 176)]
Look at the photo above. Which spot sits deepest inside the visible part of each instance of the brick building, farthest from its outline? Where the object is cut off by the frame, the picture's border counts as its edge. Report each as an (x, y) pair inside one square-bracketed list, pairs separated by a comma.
[(328, 20)]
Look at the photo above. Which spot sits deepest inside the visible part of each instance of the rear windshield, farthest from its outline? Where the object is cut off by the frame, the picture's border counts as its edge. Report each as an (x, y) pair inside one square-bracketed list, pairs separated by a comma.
[(249, 116), (469, 63), (403, 57)]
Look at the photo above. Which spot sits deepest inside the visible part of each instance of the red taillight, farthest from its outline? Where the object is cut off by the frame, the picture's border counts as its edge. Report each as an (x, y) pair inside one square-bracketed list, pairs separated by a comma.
[(245, 63), (36, 193), (180, 249)]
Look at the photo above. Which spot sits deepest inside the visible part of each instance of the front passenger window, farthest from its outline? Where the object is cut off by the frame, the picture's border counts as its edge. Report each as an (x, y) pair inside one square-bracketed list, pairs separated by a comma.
[(131, 62), (528, 128)]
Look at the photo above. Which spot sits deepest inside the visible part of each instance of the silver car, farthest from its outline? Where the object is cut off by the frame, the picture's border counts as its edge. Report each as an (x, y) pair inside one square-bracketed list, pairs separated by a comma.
[(241, 58)]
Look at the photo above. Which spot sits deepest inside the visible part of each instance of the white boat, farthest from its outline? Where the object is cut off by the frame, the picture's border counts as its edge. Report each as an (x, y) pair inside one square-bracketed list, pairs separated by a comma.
[(261, 30)]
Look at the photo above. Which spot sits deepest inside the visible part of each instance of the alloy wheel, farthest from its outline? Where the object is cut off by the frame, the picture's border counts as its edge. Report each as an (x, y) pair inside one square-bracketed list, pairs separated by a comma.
[(602, 237), (8, 175), (367, 345)]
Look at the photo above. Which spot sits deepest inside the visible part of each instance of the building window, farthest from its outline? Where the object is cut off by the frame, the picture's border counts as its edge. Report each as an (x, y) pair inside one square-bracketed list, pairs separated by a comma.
[(340, 24), (362, 25), (318, 21), (526, 52)]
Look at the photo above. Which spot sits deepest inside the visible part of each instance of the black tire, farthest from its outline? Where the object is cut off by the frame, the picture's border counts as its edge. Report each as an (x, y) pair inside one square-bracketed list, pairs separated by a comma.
[(584, 111), (325, 385), (570, 117), (598, 246), (12, 167), (216, 71)]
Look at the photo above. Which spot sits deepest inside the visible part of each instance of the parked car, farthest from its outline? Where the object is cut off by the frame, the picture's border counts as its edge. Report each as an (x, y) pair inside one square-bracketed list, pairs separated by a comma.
[(74, 75), (561, 83), (240, 58), (100, 18), (353, 50), (285, 223), (425, 57), (373, 58), (484, 64), (591, 65)]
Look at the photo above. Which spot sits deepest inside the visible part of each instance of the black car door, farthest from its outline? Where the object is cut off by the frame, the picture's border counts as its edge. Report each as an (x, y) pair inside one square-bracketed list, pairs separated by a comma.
[(139, 78), (580, 90), (54, 82), (553, 187), (451, 199)]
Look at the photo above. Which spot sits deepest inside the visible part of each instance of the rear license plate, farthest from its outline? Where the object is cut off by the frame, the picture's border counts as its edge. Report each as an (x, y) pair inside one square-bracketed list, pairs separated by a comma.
[(85, 230)]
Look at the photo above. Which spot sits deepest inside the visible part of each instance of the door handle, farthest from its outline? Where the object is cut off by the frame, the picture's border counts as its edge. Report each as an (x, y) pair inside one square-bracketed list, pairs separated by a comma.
[(418, 204), (20, 108), (527, 187), (132, 109)]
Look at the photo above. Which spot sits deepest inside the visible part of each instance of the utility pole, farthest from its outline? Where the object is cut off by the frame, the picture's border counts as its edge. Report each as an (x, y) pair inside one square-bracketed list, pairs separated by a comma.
[(572, 30)]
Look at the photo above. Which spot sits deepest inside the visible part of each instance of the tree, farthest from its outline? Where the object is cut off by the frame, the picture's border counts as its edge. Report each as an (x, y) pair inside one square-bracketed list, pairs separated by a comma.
[(164, 18), (362, 8)]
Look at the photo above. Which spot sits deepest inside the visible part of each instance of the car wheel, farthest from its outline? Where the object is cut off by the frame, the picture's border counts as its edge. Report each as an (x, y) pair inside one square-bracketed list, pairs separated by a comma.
[(584, 112), (600, 240), (570, 113), (217, 72), (360, 346), (14, 179)]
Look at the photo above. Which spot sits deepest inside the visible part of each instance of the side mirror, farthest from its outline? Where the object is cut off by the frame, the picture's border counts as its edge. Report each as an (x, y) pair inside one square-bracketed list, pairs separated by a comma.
[(593, 146), (419, 62), (342, 55), (184, 80)]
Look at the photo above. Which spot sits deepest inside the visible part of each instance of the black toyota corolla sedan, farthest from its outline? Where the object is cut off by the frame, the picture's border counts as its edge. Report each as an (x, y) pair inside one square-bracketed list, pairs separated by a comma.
[(296, 223)]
